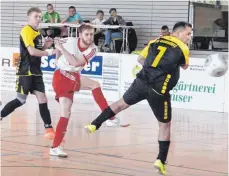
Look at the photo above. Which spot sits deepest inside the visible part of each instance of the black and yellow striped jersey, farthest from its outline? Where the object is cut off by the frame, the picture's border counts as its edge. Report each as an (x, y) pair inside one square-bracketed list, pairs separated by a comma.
[(27, 64), (164, 56)]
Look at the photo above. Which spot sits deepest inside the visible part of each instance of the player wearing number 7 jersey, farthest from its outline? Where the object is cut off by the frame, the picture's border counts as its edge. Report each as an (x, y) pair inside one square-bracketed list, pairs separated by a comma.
[(161, 61)]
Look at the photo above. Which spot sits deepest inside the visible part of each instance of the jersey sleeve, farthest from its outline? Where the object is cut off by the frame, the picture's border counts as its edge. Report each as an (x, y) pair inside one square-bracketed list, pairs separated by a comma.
[(184, 60), (27, 36), (91, 54), (144, 52)]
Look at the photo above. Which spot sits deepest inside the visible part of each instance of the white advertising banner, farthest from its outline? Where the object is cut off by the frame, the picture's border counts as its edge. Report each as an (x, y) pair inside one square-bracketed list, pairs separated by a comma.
[(129, 68), (8, 58), (226, 93), (194, 90), (116, 72), (104, 68), (197, 89)]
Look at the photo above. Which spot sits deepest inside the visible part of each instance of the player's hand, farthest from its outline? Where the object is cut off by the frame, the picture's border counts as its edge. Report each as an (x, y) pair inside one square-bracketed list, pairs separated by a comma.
[(55, 51), (58, 45)]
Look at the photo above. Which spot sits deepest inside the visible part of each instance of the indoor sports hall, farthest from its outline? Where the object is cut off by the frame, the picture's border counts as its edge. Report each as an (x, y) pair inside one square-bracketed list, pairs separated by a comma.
[(199, 125)]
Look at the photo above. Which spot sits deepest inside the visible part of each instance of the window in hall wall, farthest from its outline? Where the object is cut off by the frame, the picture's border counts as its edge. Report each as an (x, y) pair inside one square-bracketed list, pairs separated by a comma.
[(210, 27)]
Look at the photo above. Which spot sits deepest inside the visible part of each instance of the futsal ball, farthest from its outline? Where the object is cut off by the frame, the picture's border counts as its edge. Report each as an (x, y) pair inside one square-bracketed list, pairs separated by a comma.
[(216, 65)]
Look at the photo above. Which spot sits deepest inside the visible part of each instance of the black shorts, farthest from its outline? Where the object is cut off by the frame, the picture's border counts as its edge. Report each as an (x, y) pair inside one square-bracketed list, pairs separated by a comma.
[(26, 84), (160, 104)]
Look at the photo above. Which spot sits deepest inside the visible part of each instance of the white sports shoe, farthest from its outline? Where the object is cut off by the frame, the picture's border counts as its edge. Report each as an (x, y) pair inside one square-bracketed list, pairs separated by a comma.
[(113, 123), (58, 151)]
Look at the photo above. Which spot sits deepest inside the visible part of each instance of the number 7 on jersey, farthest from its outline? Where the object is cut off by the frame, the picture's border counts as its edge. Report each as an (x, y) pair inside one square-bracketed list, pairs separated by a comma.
[(157, 59)]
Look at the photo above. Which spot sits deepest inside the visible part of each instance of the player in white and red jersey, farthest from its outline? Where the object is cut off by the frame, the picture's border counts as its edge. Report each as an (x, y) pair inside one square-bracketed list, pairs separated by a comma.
[(71, 59)]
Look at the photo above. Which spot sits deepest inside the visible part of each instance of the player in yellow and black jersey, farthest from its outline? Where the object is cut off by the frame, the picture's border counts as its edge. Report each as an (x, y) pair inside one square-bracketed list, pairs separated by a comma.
[(29, 65), (163, 58), (29, 75), (161, 61)]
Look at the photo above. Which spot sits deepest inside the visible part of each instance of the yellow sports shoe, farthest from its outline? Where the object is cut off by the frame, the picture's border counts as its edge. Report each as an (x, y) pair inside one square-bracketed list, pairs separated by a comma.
[(90, 128), (160, 167)]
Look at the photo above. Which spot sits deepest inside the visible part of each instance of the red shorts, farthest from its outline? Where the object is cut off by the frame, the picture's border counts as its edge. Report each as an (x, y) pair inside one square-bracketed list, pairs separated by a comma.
[(65, 84)]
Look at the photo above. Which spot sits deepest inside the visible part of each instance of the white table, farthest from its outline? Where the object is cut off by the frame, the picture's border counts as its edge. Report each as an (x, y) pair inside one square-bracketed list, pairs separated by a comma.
[(125, 45)]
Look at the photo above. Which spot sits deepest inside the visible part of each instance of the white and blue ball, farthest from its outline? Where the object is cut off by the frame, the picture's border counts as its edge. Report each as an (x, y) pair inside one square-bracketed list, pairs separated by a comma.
[(216, 65)]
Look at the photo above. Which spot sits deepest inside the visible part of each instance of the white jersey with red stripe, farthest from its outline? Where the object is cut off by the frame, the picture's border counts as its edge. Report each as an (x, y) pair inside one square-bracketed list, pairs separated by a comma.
[(72, 46)]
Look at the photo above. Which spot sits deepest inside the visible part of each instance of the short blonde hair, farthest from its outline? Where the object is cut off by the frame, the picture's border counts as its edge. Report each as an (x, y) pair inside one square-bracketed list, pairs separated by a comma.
[(84, 27), (33, 9)]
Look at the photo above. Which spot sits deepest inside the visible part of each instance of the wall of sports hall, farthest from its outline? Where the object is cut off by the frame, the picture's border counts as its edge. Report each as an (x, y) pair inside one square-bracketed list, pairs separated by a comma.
[(148, 16)]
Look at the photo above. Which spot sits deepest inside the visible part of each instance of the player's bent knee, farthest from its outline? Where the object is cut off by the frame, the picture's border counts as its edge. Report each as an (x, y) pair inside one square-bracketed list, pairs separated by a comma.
[(22, 98), (41, 98), (65, 113), (96, 85), (69, 114)]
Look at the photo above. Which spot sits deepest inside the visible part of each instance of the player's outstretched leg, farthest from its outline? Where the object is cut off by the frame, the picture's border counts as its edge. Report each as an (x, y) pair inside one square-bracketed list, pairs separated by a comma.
[(12, 105), (109, 112), (89, 84)]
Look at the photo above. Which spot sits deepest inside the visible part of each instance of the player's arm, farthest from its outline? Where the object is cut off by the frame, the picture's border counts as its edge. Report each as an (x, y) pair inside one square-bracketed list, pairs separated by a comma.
[(75, 61), (184, 64), (39, 53), (143, 55), (141, 60), (28, 38), (35, 52), (47, 43), (184, 59)]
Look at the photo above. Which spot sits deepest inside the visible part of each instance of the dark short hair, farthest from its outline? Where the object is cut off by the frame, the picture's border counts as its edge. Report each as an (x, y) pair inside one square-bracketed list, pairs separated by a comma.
[(84, 27), (112, 10), (72, 7), (99, 11), (164, 27), (33, 9), (181, 24), (49, 5)]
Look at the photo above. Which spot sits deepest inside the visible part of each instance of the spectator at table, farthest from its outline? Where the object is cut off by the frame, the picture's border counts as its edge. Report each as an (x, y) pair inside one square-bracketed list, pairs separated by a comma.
[(113, 33), (51, 16), (73, 16), (99, 20)]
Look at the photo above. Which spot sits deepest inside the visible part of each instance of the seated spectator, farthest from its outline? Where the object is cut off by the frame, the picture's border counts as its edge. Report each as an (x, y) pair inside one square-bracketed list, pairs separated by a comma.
[(72, 17), (165, 31), (51, 16), (98, 21), (113, 33)]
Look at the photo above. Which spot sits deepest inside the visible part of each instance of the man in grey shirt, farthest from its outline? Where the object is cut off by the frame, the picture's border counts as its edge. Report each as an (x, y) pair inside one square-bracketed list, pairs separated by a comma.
[(113, 33)]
